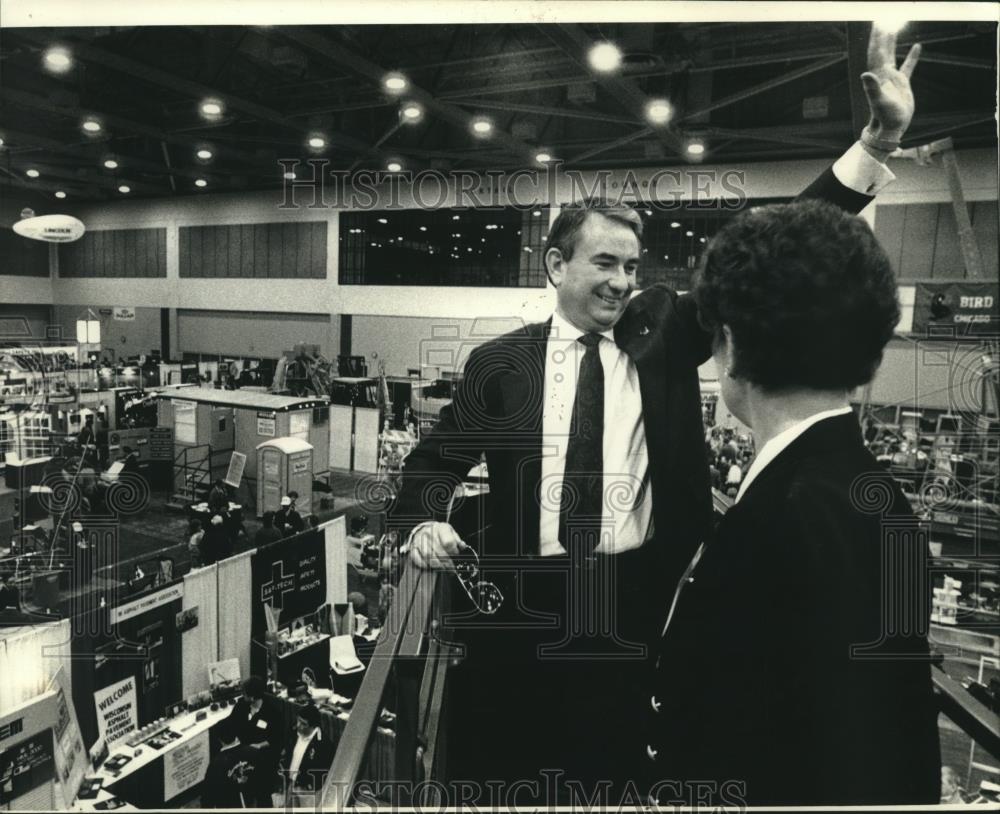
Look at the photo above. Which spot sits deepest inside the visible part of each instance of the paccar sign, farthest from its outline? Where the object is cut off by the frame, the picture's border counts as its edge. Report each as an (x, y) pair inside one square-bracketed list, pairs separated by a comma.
[(956, 310)]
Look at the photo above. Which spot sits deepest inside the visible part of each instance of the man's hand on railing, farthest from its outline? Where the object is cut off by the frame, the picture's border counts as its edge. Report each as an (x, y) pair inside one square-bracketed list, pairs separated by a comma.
[(434, 545)]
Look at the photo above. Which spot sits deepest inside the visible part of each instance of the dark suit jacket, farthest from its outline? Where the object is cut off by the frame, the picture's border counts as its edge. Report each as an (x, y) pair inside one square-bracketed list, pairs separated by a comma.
[(757, 678), (315, 764), (266, 726), (497, 410)]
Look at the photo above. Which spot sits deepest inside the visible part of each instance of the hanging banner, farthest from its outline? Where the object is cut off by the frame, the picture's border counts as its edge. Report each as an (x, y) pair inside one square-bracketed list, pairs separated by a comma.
[(185, 766), (963, 310), (164, 597), (117, 711)]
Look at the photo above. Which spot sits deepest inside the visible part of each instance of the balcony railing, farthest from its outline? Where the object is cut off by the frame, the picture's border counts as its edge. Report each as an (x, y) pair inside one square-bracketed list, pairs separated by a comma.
[(408, 675)]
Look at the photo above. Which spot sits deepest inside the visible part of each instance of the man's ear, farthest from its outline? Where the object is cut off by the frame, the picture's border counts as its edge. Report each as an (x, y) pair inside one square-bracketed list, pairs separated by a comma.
[(555, 266)]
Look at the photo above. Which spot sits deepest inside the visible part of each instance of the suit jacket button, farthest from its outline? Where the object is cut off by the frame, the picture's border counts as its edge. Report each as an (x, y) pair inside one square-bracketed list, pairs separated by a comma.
[(655, 704), (651, 753)]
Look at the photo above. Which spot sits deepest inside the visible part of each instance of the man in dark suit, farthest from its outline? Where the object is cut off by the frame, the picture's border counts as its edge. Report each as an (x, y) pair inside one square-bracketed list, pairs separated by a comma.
[(306, 758), (251, 738), (591, 426)]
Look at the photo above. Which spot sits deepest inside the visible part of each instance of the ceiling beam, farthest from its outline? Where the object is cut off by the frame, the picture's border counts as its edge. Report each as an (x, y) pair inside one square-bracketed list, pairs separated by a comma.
[(777, 137), (575, 41), (541, 110), (365, 69), (155, 76), (763, 87)]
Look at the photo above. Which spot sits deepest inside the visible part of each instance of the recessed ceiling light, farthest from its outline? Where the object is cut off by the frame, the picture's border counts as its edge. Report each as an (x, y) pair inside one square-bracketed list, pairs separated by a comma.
[(695, 148), (92, 126), (659, 111), (57, 59), (482, 127), (204, 155), (201, 182), (60, 194), (111, 164), (289, 176), (211, 108), (317, 142), (394, 166), (423, 228), (675, 225), (543, 158), (605, 57), (124, 189), (382, 220), (395, 82), (689, 233), (703, 240), (32, 173), (412, 112)]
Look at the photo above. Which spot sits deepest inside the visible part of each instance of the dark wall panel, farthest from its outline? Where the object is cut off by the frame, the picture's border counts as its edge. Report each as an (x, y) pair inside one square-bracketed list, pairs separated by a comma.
[(256, 250), (22, 257), (115, 253)]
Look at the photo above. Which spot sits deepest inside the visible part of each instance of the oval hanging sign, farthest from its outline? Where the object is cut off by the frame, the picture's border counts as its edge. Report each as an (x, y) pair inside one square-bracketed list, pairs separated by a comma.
[(51, 228)]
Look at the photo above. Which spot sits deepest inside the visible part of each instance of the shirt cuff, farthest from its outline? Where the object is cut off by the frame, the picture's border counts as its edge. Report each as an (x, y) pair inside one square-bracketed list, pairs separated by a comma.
[(859, 171)]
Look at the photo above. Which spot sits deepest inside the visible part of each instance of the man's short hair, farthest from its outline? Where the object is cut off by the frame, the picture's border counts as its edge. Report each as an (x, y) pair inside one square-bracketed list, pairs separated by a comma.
[(807, 292), (255, 687), (309, 713), (565, 231)]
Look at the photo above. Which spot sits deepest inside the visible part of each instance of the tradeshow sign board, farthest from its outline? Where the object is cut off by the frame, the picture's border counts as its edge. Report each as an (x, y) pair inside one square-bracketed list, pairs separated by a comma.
[(185, 766), (117, 711), (960, 310), (123, 313), (71, 756), (148, 602), (27, 755)]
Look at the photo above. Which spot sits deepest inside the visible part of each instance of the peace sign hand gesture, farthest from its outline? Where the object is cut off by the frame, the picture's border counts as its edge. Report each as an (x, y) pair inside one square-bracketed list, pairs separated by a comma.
[(890, 98)]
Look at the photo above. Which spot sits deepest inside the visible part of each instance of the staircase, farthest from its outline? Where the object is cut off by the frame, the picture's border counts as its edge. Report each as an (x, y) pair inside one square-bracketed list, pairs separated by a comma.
[(192, 477)]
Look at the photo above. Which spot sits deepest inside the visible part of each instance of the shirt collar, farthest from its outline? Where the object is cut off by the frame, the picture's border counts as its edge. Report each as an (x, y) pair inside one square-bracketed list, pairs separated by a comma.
[(776, 445), (308, 737), (563, 329)]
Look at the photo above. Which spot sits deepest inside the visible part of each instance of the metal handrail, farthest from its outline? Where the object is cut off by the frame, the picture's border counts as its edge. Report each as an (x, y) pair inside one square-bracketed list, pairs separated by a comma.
[(970, 715), (406, 654)]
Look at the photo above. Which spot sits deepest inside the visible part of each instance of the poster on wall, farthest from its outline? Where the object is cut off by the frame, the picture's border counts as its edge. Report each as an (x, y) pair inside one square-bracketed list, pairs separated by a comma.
[(956, 310), (70, 754), (123, 313), (265, 424), (185, 766), (27, 769), (151, 638), (290, 576), (117, 711)]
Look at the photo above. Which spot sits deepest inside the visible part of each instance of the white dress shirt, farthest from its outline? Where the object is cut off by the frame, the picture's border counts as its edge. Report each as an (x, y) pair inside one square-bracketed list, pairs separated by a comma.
[(776, 445), (298, 752), (628, 506)]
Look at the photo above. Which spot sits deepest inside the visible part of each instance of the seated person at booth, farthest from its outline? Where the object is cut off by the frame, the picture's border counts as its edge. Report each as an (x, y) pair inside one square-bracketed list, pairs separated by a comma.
[(251, 737), (267, 533), (306, 758)]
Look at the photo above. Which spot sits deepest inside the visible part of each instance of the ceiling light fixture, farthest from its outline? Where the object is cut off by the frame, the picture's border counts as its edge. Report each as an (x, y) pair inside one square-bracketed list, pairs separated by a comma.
[(394, 166), (289, 176), (204, 155), (111, 164), (659, 111), (32, 173), (543, 157), (201, 182), (57, 59), (60, 193), (395, 82), (317, 142), (605, 57), (695, 148), (211, 108), (92, 126), (124, 189), (412, 112), (482, 126)]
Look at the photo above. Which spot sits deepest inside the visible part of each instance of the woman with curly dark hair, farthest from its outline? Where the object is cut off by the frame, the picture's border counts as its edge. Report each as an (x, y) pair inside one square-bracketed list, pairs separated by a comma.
[(794, 665)]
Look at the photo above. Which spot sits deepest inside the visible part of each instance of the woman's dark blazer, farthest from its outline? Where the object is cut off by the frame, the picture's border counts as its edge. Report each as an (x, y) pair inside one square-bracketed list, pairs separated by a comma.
[(796, 662)]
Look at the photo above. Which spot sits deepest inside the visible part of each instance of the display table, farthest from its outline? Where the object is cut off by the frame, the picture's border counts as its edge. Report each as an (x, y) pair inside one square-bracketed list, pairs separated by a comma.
[(310, 651), (144, 781)]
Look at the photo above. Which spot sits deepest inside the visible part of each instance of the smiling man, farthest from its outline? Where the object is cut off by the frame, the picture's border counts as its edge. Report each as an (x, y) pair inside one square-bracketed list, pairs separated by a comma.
[(591, 428)]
